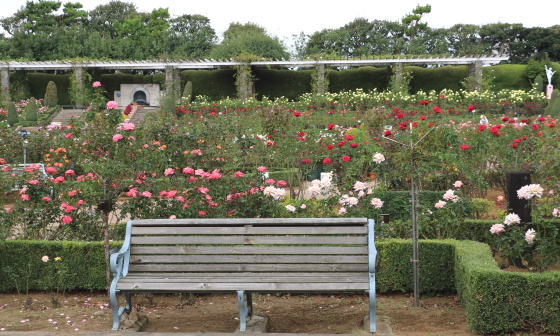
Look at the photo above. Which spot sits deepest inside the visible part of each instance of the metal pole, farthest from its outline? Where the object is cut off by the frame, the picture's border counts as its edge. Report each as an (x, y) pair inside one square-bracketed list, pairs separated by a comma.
[(24, 151), (414, 208)]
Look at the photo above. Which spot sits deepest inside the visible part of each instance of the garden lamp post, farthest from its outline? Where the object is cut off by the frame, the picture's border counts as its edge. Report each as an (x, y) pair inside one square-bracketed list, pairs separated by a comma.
[(24, 134), (414, 208)]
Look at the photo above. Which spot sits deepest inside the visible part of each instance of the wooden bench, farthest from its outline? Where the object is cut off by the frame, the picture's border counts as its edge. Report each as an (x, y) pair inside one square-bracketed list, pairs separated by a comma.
[(244, 256)]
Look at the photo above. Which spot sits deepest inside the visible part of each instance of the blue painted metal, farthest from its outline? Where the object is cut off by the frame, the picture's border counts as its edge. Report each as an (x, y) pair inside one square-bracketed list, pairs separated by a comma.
[(242, 311), (372, 255), (119, 268)]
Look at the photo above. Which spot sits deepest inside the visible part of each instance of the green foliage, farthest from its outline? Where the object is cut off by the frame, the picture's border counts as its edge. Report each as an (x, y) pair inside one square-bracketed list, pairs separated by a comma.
[(554, 97), (365, 78), (446, 77), (276, 83), (51, 94), (216, 84), (12, 115), (481, 207), (31, 110), (168, 105), (27, 272), (555, 110), (538, 84), (187, 93), (500, 302), (509, 76)]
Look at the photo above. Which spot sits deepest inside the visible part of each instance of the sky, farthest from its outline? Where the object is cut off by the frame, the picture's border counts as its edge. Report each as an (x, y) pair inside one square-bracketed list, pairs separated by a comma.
[(288, 17)]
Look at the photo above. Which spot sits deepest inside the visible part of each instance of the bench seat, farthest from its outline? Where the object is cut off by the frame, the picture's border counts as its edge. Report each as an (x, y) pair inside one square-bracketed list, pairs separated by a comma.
[(244, 256)]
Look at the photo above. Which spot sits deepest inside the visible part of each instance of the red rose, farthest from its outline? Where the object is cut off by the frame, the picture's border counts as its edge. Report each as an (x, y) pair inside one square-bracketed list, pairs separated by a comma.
[(464, 147), (541, 119), (297, 114), (345, 158), (514, 145), (387, 133), (535, 127), (330, 146), (481, 128), (422, 117), (524, 137), (306, 161), (504, 119), (437, 109), (353, 145), (424, 102), (431, 124), (340, 144), (517, 141), (331, 126), (326, 160), (301, 134), (400, 115), (470, 108), (349, 137)]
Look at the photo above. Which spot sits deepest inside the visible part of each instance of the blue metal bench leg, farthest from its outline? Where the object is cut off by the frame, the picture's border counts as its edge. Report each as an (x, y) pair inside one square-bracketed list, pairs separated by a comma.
[(244, 310), (372, 307), (114, 306)]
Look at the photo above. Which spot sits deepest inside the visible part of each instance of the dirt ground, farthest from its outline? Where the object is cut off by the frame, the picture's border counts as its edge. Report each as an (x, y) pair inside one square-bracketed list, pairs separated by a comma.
[(295, 313)]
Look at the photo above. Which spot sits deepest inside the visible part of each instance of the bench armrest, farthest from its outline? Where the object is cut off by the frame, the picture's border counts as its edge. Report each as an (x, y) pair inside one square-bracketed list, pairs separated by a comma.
[(119, 260)]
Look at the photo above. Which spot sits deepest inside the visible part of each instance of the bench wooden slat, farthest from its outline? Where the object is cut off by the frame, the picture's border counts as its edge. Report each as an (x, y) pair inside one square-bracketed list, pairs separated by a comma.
[(257, 279), (251, 240), (250, 268), (247, 275), (301, 230), (280, 259), (336, 250), (251, 221), (261, 287)]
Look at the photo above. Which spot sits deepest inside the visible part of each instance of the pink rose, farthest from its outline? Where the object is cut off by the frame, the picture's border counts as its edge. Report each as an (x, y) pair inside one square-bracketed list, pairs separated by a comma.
[(51, 170), (111, 104), (96, 84), (25, 197), (262, 169), (188, 171), (46, 199), (69, 172), (68, 136), (128, 126), (33, 182), (169, 171), (67, 220), (117, 137), (146, 194), (238, 174)]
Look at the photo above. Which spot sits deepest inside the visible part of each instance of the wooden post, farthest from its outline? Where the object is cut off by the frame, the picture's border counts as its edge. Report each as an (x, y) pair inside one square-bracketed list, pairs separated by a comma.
[(244, 85), (5, 86), (177, 85), (475, 76)]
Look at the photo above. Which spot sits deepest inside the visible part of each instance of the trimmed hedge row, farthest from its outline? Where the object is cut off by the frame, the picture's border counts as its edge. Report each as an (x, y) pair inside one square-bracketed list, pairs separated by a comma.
[(273, 83), (495, 301)]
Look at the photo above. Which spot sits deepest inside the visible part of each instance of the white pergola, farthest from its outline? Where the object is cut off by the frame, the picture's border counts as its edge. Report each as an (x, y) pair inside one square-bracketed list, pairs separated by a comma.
[(172, 68)]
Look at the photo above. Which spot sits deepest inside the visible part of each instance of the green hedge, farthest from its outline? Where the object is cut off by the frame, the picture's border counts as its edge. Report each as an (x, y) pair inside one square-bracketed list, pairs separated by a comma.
[(507, 76), (366, 78), (496, 301), (282, 83), (216, 84), (38, 86), (447, 77)]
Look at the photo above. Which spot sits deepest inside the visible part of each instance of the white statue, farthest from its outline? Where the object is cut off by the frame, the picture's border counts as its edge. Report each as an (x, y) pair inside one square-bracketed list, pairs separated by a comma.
[(549, 74), (483, 120)]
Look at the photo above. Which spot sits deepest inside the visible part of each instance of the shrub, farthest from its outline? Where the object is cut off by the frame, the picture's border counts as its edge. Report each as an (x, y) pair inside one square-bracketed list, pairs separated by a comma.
[(51, 95), (187, 93), (168, 105), (12, 115), (31, 110)]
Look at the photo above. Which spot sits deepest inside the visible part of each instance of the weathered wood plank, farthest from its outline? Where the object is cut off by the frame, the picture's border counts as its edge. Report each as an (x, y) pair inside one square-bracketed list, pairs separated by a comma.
[(240, 279), (264, 259), (245, 275), (260, 287), (248, 250), (250, 240), (300, 230), (250, 221), (250, 268)]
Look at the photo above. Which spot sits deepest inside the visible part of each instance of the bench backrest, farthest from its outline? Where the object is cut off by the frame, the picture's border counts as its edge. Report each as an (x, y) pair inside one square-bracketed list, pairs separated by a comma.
[(171, 246)]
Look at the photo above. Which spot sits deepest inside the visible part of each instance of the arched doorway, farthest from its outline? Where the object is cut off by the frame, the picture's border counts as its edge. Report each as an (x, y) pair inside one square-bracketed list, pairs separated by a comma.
[(140, 98)]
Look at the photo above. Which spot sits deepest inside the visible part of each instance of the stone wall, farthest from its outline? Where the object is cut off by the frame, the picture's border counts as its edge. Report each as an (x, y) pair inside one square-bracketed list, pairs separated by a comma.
[(126, 95)]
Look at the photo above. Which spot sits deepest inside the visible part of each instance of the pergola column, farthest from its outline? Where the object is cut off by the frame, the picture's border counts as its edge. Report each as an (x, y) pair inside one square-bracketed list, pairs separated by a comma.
[(321, 90), (172, 81), (5, 85), (78, 75), (475, 76), (399, 74), (244, 84)]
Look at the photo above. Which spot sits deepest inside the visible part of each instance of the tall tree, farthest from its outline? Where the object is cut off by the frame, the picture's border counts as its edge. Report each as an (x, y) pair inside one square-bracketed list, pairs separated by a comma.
[(251, 39), (104, 17)]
